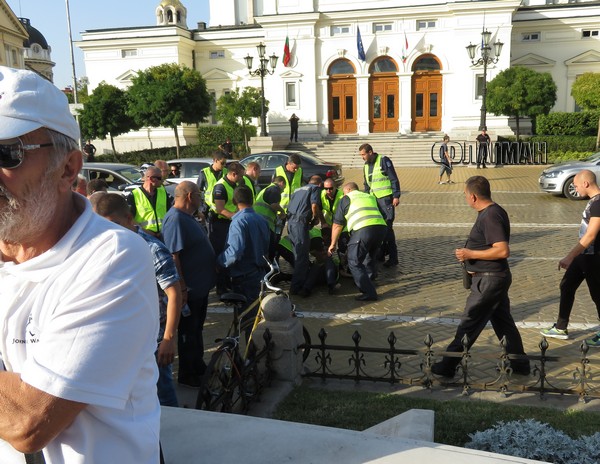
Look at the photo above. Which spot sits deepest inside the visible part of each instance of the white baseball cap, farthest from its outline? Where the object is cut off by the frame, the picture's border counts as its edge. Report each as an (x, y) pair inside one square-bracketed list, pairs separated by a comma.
[(28, 102)]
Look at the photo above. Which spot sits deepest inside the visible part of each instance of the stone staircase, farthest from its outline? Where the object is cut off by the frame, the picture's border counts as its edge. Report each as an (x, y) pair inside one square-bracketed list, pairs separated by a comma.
[(403, 150)]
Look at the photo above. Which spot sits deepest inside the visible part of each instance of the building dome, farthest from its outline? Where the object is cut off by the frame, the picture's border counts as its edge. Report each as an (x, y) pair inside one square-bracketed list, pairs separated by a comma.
[(35, 36)]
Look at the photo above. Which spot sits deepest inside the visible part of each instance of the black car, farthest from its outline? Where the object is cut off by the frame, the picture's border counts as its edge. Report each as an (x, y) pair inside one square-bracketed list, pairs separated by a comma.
[(311, 165)]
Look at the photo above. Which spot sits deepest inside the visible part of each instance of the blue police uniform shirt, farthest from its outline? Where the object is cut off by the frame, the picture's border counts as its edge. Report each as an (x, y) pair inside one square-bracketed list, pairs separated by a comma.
[(301, 201)]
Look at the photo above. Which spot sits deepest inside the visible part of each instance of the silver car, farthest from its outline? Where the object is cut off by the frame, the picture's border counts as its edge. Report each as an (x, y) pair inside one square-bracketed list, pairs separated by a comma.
[(558, 178)]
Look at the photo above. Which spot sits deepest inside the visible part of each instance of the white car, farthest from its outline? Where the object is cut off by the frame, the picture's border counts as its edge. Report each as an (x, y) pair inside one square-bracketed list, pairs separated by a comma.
[(558, 178)]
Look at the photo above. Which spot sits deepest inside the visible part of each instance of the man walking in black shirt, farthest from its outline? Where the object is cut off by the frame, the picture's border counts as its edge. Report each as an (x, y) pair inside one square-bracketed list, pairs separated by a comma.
[(485, 258)]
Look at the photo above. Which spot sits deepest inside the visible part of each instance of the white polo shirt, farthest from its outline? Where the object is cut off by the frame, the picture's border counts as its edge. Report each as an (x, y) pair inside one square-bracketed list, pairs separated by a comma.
[(80, 322)]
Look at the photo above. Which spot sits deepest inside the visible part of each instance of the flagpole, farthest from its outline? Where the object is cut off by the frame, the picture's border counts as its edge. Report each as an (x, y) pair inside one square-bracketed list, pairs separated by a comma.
[(72, 56)]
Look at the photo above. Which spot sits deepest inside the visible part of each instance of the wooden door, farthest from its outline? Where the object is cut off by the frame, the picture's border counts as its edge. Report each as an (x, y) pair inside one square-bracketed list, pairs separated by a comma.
[(342, 105), (427, 102), (384, 104)]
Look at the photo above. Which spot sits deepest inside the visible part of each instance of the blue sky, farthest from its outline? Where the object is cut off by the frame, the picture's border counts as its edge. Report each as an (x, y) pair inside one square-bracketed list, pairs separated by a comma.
[(50, 18)]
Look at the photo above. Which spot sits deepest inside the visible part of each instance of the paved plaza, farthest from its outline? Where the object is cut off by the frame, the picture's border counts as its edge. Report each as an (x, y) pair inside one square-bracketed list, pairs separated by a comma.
[(424, 294)]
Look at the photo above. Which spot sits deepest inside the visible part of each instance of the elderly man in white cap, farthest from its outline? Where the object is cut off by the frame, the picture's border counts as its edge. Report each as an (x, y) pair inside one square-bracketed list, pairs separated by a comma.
[(78, 301)]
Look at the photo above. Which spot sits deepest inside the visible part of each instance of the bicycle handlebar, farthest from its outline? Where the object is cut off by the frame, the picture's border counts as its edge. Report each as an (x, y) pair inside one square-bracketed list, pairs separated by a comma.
[(273, 270)]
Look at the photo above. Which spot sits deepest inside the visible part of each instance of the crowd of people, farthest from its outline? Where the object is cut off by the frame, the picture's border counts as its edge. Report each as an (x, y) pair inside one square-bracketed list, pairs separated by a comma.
[(98, 296)]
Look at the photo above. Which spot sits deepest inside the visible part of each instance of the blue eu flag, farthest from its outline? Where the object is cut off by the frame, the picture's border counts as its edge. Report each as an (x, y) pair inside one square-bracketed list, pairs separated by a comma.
[(359, 45)]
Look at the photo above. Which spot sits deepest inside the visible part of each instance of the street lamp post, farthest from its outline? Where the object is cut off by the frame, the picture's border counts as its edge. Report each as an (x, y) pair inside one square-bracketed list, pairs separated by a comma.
[(485, 59), (262, 71)]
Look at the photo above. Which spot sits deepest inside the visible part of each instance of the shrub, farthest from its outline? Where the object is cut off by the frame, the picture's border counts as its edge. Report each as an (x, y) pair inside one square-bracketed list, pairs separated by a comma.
[(210, 137), (581, 124), (534, 440), (561, 156)]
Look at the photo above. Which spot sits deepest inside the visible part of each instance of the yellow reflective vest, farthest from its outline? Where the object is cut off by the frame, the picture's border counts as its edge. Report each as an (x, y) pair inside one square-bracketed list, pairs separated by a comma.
[(379, 184), (145, 215), (229, 206), (289, 188), (363, 211), (264, 209), (328, 210), (211, 181)]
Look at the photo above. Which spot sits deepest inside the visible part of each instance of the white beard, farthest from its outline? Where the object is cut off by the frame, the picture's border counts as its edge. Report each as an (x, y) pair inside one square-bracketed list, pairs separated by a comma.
[(25, 218)]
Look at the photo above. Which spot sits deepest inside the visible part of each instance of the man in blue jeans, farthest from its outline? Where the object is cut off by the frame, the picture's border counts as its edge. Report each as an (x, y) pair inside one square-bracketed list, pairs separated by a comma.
[(246, 246), (114, 208)]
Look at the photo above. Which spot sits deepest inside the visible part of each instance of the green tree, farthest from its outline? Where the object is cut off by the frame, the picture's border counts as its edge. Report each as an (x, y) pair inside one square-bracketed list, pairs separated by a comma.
[(586, 92), (82, 91), (519, 92), (168, 95), (105, 113), (237, 109)]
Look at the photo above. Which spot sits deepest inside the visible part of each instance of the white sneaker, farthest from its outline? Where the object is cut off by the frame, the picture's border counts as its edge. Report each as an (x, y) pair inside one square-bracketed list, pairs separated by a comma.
[(441, 183)]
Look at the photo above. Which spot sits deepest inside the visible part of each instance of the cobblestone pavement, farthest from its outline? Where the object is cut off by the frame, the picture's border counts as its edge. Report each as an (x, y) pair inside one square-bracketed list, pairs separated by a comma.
[(424, 294)]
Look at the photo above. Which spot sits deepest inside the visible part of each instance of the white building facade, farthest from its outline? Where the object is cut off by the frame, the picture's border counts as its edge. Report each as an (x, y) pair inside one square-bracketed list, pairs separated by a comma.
[(416, 75)]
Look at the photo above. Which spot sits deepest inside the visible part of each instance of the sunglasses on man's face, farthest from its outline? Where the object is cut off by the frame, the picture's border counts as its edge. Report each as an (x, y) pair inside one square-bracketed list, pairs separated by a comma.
[(155, 178), (12, 154)]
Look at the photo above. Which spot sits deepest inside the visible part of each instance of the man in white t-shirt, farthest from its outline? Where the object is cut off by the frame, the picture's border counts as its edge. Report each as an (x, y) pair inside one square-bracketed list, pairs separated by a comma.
[(78, 299)]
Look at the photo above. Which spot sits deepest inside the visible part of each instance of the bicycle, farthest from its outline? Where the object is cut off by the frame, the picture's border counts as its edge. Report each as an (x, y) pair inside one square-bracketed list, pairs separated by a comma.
[(233, 378)]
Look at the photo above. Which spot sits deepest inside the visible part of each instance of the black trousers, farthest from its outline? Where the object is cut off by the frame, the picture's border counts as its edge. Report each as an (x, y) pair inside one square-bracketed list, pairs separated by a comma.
[(388, 212), (217, 234), (583, 267), (362, 247), (487, 302), (190, 342)]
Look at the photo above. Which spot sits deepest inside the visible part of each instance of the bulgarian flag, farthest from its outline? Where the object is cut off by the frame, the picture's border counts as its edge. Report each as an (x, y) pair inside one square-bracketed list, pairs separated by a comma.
[(405, 49), (287, 56)]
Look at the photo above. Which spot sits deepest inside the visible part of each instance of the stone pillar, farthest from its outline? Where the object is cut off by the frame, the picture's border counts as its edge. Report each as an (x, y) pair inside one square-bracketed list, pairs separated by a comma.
[(286, 333)]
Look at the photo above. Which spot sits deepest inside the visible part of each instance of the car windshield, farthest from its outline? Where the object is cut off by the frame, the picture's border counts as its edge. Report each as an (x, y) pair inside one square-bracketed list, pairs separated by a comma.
[(130, 173), (312, 158)]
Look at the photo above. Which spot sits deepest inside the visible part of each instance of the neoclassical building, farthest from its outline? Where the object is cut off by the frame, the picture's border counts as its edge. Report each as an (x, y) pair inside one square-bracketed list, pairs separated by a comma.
[(415, 75), (12, 36)]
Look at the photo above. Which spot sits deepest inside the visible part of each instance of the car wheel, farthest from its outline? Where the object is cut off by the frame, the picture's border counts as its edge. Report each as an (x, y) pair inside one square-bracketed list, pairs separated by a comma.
[(569, 190)]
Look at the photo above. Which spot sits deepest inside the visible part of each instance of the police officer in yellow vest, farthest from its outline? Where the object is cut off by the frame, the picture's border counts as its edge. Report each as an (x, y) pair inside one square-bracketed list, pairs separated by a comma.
[(292, 173), (267, 205), (360, 213), (222, 210), (149, 202), (251, 178), (209, 176), (382, 181)]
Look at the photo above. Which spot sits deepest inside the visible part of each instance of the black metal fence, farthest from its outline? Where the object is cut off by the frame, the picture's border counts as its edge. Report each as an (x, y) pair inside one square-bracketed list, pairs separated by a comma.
[(549, 374), (497, 153)]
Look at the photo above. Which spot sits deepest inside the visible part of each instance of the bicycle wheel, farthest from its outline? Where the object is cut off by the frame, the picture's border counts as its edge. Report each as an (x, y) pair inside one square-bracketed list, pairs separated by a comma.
[(307, 343), (218, 383)]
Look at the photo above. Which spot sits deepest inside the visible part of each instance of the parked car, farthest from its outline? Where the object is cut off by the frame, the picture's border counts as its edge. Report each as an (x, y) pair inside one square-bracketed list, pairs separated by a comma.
[(311, 165), (558, 178), (189, 168), (121, 178)]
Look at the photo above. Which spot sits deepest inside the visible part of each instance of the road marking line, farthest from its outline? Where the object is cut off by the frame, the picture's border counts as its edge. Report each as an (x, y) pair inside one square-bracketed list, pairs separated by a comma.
[(524, 225), (351, 317)]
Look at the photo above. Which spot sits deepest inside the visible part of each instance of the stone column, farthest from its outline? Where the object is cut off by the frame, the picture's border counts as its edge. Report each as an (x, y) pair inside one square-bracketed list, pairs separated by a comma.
[(286, 333)]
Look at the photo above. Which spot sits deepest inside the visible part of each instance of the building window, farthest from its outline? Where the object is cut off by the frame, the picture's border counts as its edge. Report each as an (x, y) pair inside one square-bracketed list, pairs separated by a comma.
[(290, 94), (479, 86), (425, 24), (15, 57), (589, 33), (217, 54), (382, 27), (343, 29), (530, 37), (213, 106), (128, 53)]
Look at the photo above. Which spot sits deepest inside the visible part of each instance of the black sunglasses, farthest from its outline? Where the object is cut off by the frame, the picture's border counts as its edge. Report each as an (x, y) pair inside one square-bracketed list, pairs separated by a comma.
[(155, 178), (12, 154), (328, 188)]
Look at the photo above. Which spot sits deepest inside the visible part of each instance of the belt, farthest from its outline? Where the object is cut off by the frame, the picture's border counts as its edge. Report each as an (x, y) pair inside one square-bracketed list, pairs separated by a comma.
[(496, 274)]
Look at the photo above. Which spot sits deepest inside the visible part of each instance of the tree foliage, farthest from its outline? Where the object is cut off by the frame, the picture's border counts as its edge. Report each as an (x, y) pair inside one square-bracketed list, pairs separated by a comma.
[(105, 114), (237, 109), (519, 92), (82, 91), (168, 95), (586, 91)]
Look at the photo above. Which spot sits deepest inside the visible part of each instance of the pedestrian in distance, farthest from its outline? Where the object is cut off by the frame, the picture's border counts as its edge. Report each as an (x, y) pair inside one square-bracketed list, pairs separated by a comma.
[(583, 261), (90, 152), (227, 147), (485, 257), (294, 127), (78, 306), (446, 161), (483, 144)]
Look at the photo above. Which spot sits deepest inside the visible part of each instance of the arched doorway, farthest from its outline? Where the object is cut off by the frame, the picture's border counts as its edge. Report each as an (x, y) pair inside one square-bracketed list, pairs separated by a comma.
[(426, 94), (383, 95), (342, 97)]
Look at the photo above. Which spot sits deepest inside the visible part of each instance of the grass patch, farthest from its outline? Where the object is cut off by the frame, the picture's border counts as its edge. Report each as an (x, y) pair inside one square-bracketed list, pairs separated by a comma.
[(454, 419)]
